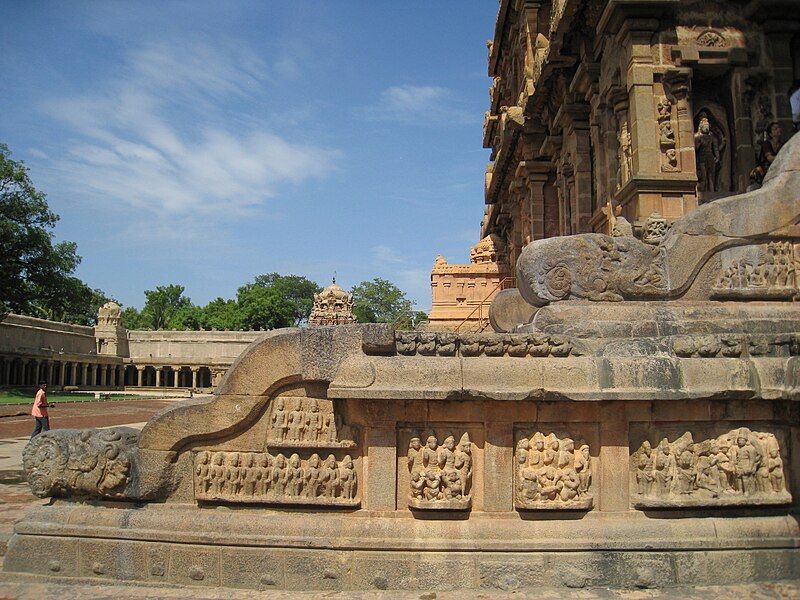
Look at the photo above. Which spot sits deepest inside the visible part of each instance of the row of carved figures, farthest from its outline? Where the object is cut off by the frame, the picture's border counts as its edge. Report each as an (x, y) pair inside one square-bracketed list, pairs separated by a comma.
[(775, 268), (301, 420), (739, 462), (260, 475), (439, 472), (552, 469)]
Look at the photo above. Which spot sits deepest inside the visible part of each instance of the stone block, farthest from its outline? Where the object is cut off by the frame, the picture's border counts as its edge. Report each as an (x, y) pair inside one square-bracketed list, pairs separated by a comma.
[(194, 565), (313, 570), (112, 560), (252, 568)]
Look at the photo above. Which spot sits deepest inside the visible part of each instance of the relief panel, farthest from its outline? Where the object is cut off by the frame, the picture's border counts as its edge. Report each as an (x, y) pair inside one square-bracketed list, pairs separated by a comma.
[(737, 468), (296, 422), (267, 478), (765, 271), (439, 467), (553, 468)]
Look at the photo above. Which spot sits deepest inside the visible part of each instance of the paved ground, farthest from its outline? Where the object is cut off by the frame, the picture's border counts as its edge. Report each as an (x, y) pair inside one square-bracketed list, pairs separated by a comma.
[(38, 590), (15, 421)]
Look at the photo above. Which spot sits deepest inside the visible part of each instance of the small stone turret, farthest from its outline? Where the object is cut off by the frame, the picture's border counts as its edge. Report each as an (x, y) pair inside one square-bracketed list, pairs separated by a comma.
[(111, 337), (332, 306)]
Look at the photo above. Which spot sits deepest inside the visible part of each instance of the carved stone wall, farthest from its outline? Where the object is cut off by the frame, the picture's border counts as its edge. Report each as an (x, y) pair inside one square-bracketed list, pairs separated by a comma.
[(552, 472), (739, 467), (267, 478), (296, 422)]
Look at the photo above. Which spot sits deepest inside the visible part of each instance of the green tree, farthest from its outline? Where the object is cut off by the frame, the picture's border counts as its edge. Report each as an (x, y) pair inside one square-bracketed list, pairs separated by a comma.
[(221, 314), (162, 305), (72, 301), (298, 290), (262, 308), (132, 318), (381, 301), (35, 274)]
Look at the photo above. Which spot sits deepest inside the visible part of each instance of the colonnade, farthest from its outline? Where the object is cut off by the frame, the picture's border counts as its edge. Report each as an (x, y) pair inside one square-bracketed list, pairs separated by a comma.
[(16, 370), (174, 376), (29, 371)]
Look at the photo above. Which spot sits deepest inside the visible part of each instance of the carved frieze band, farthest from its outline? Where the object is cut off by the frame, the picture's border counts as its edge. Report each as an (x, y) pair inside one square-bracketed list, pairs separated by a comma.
[(411, 343), (735, 346), (741, 467), (666, 136), (768, 271), (264, 478), (552, 473), (307, 423), (441, 473)]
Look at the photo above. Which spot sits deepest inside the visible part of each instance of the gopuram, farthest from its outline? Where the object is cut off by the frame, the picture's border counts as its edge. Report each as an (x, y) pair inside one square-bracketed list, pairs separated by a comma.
[(633, 420)]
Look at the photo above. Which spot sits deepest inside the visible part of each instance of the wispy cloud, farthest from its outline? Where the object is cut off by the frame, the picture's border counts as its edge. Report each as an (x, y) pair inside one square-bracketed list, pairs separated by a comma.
[(414, 281), (170, 134), (418, 103)]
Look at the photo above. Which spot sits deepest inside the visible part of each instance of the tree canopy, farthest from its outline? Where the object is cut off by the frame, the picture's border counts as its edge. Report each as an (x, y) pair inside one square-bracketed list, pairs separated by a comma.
[(381, 301), (36, 274)]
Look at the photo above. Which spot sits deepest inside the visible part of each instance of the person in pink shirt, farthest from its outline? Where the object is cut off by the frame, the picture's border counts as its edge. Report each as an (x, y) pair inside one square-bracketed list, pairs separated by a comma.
[(39, 411)]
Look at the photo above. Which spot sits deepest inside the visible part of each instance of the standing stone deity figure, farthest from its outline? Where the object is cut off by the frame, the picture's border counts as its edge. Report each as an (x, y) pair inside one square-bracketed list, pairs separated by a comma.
[(312, 477), (233, 474), (644, 469), (329, 428), (775, 464), (250, 477), (745, 463), (664, 467), (279, 421), (313, 424), (202, 472), (429, 453), (463, 462), (265, 475), (624, 154), (445, 457), (347, 478), (708, 156), (684, 473), (217, 473), (415, 454), (706, 473), (536, 459), (583, 467), (280, 475), (296, 424), (330, 477), (295, 475)]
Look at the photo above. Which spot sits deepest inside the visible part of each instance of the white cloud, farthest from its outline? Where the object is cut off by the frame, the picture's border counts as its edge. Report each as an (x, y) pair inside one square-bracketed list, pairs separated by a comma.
[(166, 135), (418, 103)]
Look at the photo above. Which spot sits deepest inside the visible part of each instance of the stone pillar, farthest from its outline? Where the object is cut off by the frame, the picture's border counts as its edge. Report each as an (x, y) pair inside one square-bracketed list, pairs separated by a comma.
[(614, 456), (73, 373), (194, 377), (498, 468), (35, 370), (158, 376), (61, 373), (139, 371), (104, 375), (7, 370), (51, 366), (85, 380), (381, 460), (177, 375)]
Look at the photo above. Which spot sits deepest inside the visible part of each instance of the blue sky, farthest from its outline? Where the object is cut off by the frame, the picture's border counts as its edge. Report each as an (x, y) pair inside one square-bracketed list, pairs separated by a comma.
[(204, 143)]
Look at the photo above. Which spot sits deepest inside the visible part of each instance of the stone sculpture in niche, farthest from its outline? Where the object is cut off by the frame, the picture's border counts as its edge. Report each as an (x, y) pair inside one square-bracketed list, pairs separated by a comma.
[(741, 467), (307, 423), (708, 151), (261, 478), (441, 474), (769, 272), (552, 473), (91, 463), (655, 229), (666, 136)]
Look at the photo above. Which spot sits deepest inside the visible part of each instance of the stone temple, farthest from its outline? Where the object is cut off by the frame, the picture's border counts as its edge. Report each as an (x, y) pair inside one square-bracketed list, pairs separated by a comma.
[(632, 420)]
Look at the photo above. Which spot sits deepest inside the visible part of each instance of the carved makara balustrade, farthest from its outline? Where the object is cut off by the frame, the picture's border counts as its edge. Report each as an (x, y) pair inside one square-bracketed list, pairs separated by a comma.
[(440, 472), (552, 473), (741, 467), (266, 478)]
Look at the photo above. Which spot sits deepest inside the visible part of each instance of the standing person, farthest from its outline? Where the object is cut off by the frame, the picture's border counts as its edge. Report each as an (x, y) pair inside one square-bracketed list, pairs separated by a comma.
[(39, 411)]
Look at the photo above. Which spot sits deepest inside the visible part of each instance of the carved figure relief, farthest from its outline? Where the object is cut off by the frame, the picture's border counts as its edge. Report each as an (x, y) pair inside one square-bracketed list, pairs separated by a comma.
[(655, 229), (769, 272), (441, 473), (552, 473), (709, 146), (307, 423), (711, 39), (737, 468), (93, 463), (666, 137), (264, 478), (517, 345), (624, 153)]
